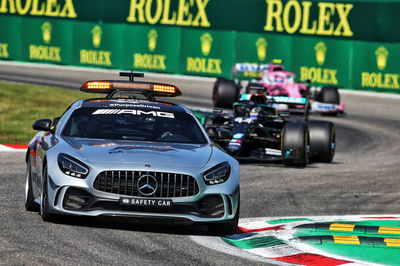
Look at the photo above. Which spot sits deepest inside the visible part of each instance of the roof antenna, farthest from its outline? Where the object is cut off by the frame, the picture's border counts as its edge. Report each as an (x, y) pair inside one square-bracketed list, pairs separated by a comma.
[(131, 75)]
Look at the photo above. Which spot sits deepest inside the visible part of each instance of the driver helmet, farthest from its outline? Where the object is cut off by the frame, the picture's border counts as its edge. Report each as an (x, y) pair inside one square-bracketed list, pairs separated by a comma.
[(254, 113)]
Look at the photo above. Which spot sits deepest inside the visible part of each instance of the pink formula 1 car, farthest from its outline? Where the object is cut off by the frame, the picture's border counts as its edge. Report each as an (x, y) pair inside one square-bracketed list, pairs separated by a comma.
[(279, 88)]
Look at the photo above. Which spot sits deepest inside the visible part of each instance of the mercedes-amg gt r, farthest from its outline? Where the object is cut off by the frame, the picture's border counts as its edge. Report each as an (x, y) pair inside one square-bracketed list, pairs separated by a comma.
[(129, 154)]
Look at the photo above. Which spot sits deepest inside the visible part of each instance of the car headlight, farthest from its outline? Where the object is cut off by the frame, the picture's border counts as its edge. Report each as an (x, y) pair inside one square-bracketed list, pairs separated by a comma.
[(217, 174), (72, 167)]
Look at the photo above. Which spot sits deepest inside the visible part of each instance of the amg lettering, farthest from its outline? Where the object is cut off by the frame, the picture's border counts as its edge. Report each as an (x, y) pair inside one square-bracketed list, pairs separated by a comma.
[(294, 17), (165, 114), (140, 112), (133, 112), (159, 11), (203, 65), (48, 8), (4, 50)]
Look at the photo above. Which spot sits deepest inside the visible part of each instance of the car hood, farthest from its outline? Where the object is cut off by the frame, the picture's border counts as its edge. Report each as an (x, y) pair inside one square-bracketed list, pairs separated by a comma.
[(156, 153)]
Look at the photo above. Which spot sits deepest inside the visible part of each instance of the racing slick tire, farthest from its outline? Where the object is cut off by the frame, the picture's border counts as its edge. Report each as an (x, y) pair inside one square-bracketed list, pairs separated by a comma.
[(329, 94), (226, 228), (322, 141), (295, 144), (225, 93), (29, 202), (45, 213)]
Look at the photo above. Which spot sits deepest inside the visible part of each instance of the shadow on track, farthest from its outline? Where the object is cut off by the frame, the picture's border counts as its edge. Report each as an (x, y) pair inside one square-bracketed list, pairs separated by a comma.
[(136, 224)]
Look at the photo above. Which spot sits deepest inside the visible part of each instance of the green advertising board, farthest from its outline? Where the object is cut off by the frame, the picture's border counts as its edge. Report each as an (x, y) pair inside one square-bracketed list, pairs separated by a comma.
[(209, 53), (376, 66), (98, 45), (10, 38), (323, 61), (155, 49), (368, 20), (262, 49), (47, 41)]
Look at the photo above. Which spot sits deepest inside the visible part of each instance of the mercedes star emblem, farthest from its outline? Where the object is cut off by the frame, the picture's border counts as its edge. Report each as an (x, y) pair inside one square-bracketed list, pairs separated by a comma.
[(147, 185)]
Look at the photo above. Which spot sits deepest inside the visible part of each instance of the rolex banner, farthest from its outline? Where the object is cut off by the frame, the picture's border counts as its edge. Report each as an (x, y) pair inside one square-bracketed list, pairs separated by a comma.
[(376, 66), (367, 20), (98, 45), (155, 49), (10, 38), (46, 41), (209, 53), (323, 61)]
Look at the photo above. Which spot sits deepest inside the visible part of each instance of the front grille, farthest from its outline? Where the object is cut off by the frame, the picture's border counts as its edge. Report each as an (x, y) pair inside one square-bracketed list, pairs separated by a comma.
[(170, 185)]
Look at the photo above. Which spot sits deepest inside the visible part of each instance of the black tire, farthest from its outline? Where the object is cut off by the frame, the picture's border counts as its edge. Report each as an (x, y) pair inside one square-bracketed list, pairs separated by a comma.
[(225, 93), (45, 213), (295, 144), (29, 201), (329, 94), (322, 141), (226, 228)]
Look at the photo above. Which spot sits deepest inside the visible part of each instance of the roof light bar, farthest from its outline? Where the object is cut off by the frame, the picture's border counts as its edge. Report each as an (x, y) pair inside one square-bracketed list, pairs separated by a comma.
[(98, 85), (164, 88), (110, 86)]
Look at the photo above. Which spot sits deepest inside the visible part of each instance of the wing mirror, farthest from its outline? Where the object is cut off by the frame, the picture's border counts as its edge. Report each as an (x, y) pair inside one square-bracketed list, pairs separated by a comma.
[(223, 134), (42, 125)]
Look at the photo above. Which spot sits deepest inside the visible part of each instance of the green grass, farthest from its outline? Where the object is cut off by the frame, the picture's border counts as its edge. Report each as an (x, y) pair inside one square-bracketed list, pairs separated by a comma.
[(21, 105)]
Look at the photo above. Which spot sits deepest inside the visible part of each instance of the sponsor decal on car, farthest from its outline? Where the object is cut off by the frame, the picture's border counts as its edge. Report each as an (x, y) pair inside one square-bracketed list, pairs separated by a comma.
[(134, 105), (132, 112), (146, 202), (324, 107), (273, 152), (243, 67), (238, 136), (284, 99)]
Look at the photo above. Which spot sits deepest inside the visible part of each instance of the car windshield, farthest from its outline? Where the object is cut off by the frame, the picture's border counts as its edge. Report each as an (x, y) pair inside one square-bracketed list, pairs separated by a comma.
[(134, 124)]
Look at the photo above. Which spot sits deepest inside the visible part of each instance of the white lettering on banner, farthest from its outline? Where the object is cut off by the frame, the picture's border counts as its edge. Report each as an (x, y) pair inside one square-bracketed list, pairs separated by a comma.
[(133, 112)]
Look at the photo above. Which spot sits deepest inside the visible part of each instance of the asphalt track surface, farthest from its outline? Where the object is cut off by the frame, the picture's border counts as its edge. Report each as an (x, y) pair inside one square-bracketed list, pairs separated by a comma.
[(363, 179)]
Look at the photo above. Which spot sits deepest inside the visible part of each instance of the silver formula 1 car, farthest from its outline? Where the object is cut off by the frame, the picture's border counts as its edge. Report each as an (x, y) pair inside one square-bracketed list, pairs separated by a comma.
[(130, 155)]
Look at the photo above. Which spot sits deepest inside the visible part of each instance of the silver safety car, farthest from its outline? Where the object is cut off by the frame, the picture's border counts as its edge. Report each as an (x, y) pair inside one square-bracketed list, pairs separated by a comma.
[(131, 155)]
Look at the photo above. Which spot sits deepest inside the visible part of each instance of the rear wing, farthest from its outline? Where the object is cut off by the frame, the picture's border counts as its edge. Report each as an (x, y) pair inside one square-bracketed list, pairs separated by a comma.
[(251, 71), (248, 71)]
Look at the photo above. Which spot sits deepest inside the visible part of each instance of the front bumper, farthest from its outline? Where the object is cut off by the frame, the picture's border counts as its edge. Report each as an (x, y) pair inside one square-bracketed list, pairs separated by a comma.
[(207, 208), (84, 197), (73, 196)]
